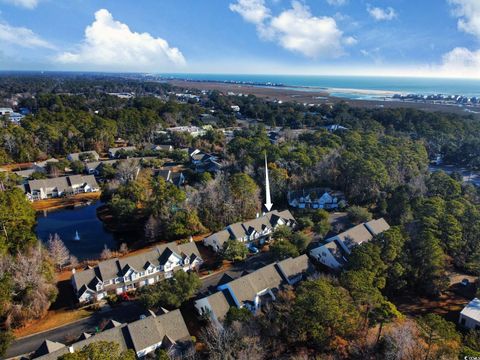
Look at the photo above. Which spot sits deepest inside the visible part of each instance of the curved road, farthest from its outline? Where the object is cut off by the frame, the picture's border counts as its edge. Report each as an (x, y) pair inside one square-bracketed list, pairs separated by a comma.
[(124, 313)]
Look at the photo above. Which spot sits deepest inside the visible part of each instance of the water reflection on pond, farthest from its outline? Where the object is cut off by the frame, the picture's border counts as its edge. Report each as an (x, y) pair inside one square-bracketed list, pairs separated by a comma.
[(83, 219)]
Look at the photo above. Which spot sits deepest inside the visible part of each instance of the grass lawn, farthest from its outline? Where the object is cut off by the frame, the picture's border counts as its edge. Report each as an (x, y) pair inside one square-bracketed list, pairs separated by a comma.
[(52, 320), (56, 203)]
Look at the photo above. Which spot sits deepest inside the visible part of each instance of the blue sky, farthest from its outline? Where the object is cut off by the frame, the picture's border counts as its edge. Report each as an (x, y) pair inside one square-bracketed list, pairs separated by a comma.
[(359, 37)]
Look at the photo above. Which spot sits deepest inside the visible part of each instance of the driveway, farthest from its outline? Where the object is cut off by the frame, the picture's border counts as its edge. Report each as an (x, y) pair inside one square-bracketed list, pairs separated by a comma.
[(126, 312)]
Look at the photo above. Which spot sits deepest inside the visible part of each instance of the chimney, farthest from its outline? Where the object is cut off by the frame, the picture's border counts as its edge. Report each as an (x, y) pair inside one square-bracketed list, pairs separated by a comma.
[(73, 271)]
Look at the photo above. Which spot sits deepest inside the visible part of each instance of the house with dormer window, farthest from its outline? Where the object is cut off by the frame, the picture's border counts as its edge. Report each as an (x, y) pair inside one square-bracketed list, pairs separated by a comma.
[(256, 230), (115, 276), (254, 290)]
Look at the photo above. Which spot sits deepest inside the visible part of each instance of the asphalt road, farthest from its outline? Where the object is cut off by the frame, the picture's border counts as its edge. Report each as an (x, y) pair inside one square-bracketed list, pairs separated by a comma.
[(127, 312), (468, 176)]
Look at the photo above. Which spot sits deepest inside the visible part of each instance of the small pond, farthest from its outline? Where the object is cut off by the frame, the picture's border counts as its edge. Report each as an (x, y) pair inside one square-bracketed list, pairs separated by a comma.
[(82, 219)]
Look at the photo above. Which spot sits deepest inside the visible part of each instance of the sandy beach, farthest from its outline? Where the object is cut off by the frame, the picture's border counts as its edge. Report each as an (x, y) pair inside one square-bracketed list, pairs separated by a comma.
[(313, 96)]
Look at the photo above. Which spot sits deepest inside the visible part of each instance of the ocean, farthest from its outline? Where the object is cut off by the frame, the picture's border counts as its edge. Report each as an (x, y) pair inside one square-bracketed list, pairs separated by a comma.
[(357, 87)]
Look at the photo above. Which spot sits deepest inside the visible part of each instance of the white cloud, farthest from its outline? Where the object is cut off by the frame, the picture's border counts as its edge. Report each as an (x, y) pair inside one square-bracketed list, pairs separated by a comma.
[(462, 62), (111, 45), (468, 12), (337, 2), (28, 4), (253, 11), (21, 36), (350, 40), (295, 29), (380, 14)]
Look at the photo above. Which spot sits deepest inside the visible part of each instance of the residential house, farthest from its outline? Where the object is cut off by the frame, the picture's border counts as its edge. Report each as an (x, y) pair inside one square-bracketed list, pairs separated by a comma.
[(6, 111), (275, 137), (113, 153), (167, 331), (85, 155), (335, 127), (129, 273), (175, 177), (256, 230), (334, 251), (204, 162), (166, 148), (316, 198), (94, 167), (208, 119), (40, 166), (194, 131), (61, 186), (254, 290), (11, 115), (470, 315)]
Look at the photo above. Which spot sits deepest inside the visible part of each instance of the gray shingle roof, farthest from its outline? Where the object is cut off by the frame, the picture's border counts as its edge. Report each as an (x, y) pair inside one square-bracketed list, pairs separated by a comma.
[(62, 184), (220, 237), (107, 269), (113, 151), (354, 236), (219, 304), (293, 267), (48, 347), (169, 327), (337, 251), (76, 156), (377, 226), (246, 287), (153, 330), (81, 180), (113, 268)]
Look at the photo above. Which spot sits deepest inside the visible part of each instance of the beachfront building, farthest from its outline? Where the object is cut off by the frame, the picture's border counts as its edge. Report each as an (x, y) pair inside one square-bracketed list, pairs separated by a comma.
[(256, 230), (116, 276)]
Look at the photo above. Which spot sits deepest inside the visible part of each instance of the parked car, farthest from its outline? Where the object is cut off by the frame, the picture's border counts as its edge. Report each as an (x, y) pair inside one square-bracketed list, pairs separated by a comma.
[(253, 249), (465, 282)]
